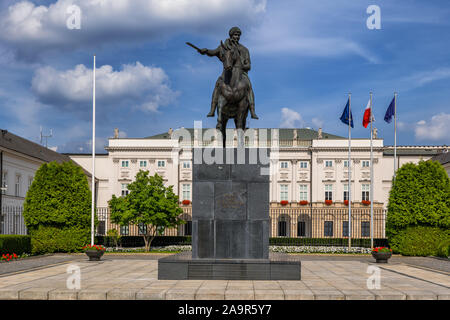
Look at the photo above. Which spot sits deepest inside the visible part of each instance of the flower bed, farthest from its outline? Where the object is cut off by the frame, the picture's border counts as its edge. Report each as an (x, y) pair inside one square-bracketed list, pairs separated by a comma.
[(186, 202), (284, 202), (328, 202), (318, 249), (95, 247), (8, 257), (381, 250), (303, 203), (365, 202)]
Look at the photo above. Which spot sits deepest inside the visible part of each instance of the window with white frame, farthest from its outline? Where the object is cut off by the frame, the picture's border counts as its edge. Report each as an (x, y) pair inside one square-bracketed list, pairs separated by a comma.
[(365, 163), (124, 189), (161, 163), (346, 192), (17, 185), (303, 192), (125, 163), (5, 182), (303, 164), (365, 188), (284, 164), (284, 195), (345, 163), (143, 163), (186, 165), (328, 192), (186, 188), (328, 163)]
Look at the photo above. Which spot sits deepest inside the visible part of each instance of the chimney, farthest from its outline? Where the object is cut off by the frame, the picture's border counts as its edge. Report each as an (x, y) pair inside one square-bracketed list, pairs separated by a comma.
[(116, 133), (319, 133)]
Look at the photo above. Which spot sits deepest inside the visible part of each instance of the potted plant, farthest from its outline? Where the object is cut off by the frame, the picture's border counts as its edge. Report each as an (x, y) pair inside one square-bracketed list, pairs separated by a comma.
[(284, 202), (381, 254), (94, 252), (303, 203), (365, 202), (328, 202), (346, 202), (186, 202)]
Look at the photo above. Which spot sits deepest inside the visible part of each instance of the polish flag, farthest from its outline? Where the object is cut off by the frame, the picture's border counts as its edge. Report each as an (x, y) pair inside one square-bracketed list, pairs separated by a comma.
[(366, 117)]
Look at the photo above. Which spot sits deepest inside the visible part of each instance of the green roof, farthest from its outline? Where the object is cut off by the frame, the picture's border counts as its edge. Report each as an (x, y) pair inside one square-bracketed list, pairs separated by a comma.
[(284, 134)]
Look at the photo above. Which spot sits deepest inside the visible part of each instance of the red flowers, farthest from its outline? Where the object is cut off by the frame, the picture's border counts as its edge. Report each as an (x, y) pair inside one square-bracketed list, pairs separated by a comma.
[(186, 202), (303, 203), (365, 202), (346, 202), (284, 202), (328, 202), (7, 257), (381, 249), (94, 247)]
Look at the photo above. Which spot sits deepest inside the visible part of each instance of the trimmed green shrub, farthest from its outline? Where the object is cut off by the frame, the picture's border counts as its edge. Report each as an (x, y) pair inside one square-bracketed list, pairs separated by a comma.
[(17, 244), (57, 208), (420, 195), (421, 241)]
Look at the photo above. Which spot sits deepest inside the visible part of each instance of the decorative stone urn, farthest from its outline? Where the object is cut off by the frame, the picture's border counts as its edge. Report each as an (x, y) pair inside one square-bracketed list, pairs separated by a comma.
[(94, 255), (381, 257)]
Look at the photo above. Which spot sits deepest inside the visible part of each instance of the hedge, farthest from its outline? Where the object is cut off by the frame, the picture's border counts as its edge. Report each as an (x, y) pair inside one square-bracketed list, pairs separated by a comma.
[(137, 241), (421, 241), (17, 244)]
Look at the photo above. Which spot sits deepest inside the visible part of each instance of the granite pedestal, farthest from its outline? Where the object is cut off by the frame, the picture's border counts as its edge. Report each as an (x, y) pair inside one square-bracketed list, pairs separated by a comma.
[(230, 221)]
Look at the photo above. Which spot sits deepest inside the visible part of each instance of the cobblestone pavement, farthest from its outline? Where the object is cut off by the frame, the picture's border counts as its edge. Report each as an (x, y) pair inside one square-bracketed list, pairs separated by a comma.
[(135, 277)]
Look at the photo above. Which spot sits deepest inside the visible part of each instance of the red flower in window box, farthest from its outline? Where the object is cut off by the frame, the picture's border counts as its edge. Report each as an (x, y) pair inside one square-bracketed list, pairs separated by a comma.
[(303, 202), (284, 202), (186, 202), (365, 202), (328, 202), (346, 202)]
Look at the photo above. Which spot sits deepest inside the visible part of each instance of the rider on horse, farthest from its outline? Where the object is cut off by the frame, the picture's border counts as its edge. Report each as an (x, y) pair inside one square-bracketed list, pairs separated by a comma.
[(244, 55)]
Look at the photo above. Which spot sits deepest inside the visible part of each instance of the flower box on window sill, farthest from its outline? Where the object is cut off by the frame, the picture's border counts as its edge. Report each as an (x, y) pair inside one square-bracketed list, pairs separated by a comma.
[(303, 203), (346, 202), (284, 202), (365, 202), (328, 202), (186, 202)]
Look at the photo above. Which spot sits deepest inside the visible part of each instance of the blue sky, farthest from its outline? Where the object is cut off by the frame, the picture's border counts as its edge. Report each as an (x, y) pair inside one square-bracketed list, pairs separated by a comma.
[(306, 57)]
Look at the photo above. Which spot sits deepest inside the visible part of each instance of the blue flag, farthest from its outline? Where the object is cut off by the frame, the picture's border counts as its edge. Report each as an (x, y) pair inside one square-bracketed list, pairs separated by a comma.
[(390, 112), (344, 118)]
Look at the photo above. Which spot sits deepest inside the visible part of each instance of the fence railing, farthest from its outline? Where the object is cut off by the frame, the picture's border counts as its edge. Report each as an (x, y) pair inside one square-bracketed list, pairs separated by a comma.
[(316, 226), (11, 220)]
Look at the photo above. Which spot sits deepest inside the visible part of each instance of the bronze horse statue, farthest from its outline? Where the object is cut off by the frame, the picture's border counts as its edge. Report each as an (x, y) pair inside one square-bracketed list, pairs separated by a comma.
[(233, 92)]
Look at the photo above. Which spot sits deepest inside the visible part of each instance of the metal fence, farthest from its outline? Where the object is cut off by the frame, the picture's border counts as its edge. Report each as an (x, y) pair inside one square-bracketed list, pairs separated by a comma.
[(295, 225), (11, 220)]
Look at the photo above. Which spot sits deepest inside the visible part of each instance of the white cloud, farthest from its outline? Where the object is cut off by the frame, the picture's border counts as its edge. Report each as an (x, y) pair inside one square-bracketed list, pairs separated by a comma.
[(423, 78), (290, 119), (29, 27), (435, 129), (135, 85)]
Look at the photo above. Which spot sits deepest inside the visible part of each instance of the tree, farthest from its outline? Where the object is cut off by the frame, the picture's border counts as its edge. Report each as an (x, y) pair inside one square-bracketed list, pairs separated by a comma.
[(57, 208), (420, 197), (149, 204)]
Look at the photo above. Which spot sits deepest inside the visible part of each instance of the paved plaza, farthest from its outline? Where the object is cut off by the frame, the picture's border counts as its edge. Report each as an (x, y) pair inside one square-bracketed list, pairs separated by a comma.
[(135, 277)]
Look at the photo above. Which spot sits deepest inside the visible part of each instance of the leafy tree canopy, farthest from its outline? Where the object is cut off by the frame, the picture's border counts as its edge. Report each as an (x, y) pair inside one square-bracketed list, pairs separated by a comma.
[(149, 203), (420, 195)]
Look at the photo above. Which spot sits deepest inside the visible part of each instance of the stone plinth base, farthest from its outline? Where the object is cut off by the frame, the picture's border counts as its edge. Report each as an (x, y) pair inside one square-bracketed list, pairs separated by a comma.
[(182, 267)]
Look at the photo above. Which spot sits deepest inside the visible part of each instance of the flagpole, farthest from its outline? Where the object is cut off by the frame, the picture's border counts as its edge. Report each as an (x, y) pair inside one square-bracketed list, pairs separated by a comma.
[(349, 173), (93, 158), (395, 133), (371, 174)]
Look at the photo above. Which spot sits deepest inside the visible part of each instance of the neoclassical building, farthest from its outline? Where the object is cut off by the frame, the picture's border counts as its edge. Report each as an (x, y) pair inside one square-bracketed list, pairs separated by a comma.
[(309, 176)]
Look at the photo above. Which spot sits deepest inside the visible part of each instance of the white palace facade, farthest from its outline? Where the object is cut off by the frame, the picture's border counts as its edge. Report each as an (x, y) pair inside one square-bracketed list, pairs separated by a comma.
[(307, 191)]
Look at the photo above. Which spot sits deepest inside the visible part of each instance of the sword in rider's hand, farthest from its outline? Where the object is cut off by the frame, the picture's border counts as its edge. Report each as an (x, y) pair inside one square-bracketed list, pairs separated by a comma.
[(191, 45)]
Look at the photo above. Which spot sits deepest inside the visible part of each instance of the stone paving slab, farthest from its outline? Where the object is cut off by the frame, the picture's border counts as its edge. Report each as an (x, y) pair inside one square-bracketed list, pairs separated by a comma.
[(122, 279)]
